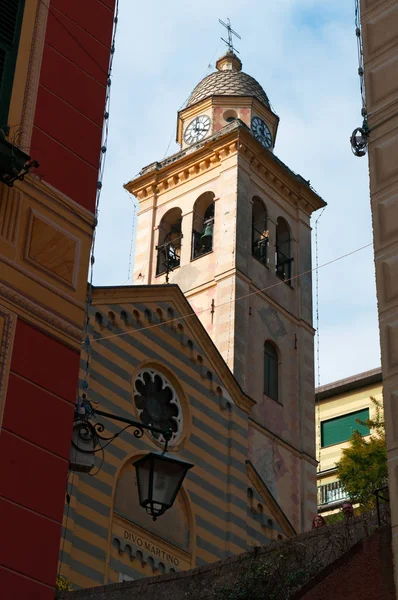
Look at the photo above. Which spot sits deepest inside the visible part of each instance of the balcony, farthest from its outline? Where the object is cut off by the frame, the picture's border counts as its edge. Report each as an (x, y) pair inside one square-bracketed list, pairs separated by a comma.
[(331, 493)]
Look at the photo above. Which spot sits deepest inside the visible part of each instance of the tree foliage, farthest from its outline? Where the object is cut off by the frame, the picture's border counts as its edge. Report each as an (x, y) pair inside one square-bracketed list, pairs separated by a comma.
[(62, 584), (363, 465)]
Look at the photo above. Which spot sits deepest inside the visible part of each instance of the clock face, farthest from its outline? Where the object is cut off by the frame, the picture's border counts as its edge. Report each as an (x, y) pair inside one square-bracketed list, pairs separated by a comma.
[(261, 132), (197, 129)]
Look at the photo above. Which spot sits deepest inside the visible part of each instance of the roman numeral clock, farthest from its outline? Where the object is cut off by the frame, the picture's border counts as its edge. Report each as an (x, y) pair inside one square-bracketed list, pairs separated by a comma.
[(261, 132), (197, 129)]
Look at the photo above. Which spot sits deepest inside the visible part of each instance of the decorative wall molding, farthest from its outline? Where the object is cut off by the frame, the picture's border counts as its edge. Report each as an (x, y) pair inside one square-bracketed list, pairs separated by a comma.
[(7, 328), (33, 76), (52, 249), (28, 306), (10, 208), (162, 182), (296, 191)]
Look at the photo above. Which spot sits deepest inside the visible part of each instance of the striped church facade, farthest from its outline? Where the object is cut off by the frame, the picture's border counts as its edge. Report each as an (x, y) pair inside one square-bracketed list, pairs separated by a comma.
[(224, 506)]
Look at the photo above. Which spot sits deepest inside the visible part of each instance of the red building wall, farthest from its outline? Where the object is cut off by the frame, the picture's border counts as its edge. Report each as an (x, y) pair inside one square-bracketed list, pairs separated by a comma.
[(70, 105), (365, 572), (42, 382)]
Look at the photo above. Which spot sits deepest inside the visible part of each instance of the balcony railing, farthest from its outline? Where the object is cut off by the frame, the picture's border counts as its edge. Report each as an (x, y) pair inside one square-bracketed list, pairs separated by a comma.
[(260, 245), (283, 265), (168, 256), (331, 492)]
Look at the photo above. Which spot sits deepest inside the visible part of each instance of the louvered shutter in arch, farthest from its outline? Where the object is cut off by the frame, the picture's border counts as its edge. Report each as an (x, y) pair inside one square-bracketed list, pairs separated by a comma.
[(339, 430), (11, 13)]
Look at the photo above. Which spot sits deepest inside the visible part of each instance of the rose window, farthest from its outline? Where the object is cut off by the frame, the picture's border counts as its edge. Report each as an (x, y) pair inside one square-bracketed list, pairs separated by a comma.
[(157, 403)]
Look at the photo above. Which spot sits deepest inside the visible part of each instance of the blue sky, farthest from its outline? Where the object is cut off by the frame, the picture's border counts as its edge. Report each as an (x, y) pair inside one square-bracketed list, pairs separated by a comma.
[(303, 52)]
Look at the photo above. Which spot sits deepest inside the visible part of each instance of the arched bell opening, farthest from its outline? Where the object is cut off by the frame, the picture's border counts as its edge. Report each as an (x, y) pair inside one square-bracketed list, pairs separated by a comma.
[(203, 225), (169, 242)]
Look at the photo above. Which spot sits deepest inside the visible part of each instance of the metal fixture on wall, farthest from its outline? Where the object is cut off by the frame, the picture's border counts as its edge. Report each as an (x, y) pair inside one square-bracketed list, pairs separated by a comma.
[(14, 163), (360, 135), (159, 475)]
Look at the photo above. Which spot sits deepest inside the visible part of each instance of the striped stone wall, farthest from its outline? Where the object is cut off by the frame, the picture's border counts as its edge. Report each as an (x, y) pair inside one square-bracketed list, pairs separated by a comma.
[(223, 517)]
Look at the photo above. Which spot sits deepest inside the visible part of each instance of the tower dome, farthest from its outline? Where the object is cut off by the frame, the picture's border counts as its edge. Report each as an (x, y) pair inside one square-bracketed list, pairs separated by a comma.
[(228, 80)]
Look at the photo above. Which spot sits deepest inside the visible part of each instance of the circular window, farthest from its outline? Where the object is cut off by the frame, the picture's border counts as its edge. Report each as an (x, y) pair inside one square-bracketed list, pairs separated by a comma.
[(230, 115), (157, 404)]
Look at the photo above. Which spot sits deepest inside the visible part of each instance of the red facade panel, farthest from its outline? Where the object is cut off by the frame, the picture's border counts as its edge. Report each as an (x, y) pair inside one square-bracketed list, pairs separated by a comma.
[(86, 94), (91, 15), (31, 476), (31, 542), (30, 409), (45, 361), (109, 3), (20, 588), (72, 42), (59, 165), (66, 137), (73, 130)]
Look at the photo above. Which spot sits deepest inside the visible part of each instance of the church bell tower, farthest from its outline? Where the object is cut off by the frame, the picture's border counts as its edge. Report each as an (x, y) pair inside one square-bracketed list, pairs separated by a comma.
[(228, 222)]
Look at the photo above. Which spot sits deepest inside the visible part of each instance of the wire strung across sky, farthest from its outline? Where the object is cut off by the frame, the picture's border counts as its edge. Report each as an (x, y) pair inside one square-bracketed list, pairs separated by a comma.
[(204, 310)]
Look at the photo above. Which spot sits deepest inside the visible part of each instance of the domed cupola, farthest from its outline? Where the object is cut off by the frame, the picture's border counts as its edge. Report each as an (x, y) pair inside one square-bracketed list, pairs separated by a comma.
[(228, 80), (222, 97)]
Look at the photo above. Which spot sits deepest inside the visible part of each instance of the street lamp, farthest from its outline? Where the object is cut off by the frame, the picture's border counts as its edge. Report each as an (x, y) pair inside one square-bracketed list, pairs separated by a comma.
[(159, 475), (159, 478)]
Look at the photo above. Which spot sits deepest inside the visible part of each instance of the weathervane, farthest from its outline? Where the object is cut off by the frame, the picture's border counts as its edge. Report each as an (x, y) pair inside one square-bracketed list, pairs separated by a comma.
[(230, 31)]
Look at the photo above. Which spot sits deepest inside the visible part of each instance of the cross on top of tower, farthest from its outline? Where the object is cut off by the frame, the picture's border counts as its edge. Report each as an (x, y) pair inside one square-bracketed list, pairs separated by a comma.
[(230, 31)]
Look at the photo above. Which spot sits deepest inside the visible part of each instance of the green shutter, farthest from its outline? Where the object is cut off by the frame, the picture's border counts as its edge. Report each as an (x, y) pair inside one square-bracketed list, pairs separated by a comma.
[(270, 371), (11, 13), (338, 430)]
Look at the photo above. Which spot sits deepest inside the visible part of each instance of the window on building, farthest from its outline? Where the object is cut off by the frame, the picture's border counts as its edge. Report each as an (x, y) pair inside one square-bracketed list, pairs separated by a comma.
[(259, 231), (339, 429), (203, 225), (283, 256), (11, 13), (270, 371), (169, 242)]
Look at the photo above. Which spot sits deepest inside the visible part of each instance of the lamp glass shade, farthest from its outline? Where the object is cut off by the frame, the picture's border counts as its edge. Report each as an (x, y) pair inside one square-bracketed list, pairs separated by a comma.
[(159, 479)]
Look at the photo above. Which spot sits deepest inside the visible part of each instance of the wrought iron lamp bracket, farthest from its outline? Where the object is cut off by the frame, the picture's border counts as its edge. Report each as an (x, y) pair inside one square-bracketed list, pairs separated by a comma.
[(92, 433)]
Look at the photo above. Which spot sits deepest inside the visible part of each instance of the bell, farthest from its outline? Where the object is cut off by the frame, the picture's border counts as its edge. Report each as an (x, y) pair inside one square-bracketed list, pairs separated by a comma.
[(207, 236)]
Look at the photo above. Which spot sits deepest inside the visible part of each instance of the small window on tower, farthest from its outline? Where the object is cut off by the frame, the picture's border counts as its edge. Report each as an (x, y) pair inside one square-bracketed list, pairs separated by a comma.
[(283, 257), (259, 231), (271, 371), (169, 246), (203, 225)]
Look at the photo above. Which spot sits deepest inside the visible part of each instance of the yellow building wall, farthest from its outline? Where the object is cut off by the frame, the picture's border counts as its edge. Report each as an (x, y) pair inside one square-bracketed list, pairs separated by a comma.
[(335, 406)]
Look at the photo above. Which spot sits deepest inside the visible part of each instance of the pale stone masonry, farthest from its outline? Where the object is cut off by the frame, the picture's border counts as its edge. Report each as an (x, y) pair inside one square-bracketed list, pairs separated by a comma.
[(380, 45)]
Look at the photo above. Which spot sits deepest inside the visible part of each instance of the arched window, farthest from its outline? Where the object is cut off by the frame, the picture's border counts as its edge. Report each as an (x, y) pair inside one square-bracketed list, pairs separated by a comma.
[(270, 371), (169, 243), (283, 256), (259, 231), (203, 225)]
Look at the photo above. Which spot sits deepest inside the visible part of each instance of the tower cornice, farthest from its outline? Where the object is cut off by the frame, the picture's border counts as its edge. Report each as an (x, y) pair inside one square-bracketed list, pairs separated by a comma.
[(158, 177)]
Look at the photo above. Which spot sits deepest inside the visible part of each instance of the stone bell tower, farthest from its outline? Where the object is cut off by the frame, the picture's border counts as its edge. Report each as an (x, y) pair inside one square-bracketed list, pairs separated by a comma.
[(229, 223), (224, 218)]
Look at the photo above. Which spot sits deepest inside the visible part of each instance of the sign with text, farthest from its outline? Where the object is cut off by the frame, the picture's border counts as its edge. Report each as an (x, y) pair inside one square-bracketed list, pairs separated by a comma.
[(147, 543)]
